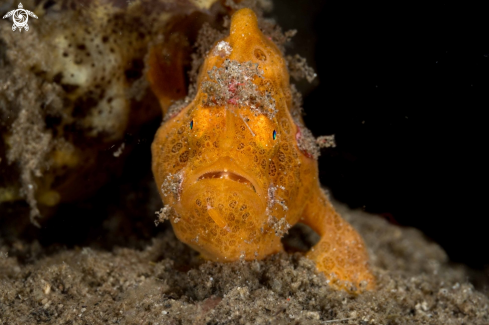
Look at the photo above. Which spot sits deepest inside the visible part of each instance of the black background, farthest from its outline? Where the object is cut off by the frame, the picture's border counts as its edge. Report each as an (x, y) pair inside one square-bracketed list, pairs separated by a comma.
[(404, 87)]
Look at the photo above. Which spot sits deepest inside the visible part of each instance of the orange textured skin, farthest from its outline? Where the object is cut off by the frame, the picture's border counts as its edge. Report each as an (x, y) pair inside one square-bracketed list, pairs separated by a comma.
[(232, 187)]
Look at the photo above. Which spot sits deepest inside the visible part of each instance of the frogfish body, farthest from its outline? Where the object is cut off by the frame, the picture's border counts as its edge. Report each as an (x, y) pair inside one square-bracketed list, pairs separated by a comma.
[(229, 166)]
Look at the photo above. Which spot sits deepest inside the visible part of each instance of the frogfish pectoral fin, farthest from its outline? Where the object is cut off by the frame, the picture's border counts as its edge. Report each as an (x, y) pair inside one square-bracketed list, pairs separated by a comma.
[(340, 254)]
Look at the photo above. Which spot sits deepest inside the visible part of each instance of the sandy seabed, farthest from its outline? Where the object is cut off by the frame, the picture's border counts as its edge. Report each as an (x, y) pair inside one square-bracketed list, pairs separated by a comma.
[(167, 283)]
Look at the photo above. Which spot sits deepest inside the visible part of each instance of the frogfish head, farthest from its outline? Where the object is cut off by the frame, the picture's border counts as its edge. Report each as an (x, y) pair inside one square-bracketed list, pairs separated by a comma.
[(227, 164)]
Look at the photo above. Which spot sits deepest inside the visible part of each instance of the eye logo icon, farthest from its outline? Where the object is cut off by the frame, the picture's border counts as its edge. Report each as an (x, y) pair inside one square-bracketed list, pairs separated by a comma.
[(20, 17)]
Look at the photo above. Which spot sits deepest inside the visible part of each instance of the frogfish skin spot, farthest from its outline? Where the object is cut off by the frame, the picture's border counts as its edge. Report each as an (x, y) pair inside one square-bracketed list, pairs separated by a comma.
[(229, 166)]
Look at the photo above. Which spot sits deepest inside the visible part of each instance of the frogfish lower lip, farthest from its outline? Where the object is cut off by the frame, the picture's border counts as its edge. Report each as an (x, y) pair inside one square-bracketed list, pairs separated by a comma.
[(227, 175)]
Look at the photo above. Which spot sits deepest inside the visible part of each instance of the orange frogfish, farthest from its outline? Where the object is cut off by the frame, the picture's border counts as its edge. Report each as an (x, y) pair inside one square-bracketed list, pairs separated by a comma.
[(234, 169)]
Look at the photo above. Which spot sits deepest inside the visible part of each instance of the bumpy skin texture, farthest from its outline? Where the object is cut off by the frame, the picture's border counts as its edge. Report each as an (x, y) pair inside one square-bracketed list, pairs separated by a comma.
[(233, 187)]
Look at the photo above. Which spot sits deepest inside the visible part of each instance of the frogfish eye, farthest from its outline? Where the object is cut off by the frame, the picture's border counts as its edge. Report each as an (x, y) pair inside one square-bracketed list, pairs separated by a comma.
[(274, 134), (191, 124)]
